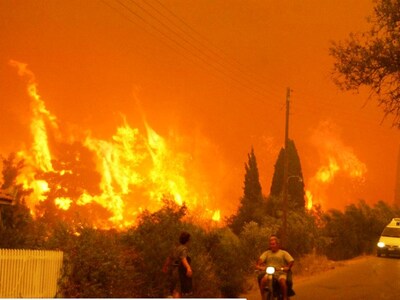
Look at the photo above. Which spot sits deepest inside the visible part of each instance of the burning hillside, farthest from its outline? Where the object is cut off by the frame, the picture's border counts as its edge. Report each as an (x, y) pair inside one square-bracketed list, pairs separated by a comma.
[(115, 179), (110, 181)]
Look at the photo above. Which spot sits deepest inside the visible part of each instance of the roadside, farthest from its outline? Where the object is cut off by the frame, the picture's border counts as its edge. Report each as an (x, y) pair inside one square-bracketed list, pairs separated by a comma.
[(311, 265), (308, 267)]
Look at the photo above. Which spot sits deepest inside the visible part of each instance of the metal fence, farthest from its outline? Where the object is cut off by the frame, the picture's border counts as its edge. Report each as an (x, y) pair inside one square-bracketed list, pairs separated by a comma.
[(29, 273)]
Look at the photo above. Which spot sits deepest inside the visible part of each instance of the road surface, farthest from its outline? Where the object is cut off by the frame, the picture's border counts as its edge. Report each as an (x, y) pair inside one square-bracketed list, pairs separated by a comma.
[(367, 278)]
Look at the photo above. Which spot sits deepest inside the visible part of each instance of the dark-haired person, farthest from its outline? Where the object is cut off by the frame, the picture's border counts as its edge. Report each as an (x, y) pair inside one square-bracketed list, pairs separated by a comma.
[(281, 260), (180, 272)]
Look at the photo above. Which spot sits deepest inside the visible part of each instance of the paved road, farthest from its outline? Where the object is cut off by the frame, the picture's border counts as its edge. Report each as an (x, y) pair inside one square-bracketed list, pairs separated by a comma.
[(366, 278)]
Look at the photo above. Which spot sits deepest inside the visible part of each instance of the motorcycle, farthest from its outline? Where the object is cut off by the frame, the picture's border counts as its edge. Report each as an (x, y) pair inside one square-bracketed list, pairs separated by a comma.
[(273, 289)]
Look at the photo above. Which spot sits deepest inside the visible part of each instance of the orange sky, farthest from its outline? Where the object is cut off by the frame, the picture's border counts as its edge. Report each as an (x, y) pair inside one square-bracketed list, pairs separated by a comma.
[(216, 82)]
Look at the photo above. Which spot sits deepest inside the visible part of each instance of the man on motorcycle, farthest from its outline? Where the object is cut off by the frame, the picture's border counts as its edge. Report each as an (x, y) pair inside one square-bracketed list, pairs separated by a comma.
[(281, 260)]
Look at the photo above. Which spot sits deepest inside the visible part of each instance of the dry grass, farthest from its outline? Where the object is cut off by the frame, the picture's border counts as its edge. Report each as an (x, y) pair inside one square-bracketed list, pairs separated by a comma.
[(312, 264)]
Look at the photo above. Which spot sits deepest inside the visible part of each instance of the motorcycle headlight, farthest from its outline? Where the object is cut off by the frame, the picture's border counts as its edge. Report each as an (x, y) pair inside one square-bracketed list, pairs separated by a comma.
[(270, 270), (381, 244)]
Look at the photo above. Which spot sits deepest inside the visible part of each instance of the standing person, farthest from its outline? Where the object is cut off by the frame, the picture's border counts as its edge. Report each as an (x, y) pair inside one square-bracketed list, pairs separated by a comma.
[(281, 260), (180, 271)]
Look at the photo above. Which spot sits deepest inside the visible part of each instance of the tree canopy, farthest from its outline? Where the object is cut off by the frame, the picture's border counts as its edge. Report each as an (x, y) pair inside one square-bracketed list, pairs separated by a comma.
[(372, 58)]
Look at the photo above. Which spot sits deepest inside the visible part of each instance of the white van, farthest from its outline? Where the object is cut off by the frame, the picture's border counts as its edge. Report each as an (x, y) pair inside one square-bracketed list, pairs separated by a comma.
[(389, 242)]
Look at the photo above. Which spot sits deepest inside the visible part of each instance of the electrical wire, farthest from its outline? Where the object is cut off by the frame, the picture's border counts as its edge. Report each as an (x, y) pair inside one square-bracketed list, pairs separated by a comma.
[(188, 52)]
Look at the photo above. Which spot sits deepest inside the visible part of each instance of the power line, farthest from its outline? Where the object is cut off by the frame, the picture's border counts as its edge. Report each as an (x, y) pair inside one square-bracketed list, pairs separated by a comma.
[(341, 116), (191, 46), (220, 68), (205, 43)]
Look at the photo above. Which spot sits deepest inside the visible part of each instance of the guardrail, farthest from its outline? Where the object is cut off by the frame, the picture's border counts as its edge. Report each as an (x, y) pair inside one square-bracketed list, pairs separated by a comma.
[(29, 273)]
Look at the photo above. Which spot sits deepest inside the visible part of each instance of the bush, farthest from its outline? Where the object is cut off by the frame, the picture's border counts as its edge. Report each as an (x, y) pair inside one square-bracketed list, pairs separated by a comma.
[(152, 240), (228, 259), (356, 230), (254, 240), (302, 233), (95, 266)]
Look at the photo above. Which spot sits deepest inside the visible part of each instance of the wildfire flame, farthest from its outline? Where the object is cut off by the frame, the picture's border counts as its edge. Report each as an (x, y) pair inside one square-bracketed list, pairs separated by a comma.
[(216, 216), (341, 161), (135, 171), (38, 158), (327, 173), (309, 201)]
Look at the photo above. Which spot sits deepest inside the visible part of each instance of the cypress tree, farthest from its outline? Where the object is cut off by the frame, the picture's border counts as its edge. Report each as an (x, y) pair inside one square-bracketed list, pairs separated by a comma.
[(252, 204), (295, 180)]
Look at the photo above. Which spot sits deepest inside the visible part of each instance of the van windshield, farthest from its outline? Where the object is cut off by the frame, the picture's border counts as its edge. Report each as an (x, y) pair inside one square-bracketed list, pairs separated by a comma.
[(391, 232)]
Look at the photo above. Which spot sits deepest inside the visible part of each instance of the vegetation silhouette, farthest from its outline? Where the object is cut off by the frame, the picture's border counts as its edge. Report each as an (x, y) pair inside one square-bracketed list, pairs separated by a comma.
[(127, 263)]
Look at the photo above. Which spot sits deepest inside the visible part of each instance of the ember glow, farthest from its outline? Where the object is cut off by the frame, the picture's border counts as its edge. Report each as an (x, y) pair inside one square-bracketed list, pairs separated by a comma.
[(136, 171)]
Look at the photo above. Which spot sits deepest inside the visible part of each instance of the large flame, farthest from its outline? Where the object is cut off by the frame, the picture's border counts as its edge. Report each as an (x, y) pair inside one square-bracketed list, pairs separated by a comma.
[(38, 157), (136, 171), (339, 161)]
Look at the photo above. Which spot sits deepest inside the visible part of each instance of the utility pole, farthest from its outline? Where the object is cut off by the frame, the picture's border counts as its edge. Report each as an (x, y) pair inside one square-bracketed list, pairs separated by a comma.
[(285, 171)]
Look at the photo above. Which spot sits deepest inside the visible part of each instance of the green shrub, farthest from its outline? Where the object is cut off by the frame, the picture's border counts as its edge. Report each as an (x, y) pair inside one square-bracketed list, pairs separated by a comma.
[(356, 230), (228, 258), (254, 240), (96, 266), (302, 233)]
